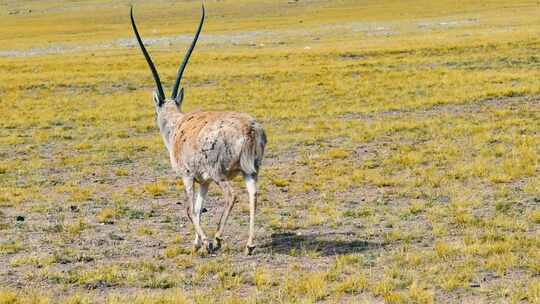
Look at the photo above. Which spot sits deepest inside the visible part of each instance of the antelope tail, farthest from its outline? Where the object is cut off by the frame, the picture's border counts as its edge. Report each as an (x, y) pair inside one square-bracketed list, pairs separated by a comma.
[(252, 152)]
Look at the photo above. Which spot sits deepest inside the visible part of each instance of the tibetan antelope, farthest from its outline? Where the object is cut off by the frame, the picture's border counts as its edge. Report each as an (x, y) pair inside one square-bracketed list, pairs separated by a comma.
[(207, 147)]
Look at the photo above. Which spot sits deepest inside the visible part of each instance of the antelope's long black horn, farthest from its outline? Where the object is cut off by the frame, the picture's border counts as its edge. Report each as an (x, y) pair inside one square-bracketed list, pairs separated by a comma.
[(186, 58), (148, 59)]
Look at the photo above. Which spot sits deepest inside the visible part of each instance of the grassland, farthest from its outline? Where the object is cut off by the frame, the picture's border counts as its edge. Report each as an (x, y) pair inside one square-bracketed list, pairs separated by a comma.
[(402, 166)]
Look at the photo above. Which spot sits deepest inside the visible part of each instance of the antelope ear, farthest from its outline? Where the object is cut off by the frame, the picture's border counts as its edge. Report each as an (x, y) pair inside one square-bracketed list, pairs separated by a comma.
[(179, 98), (157, 100)]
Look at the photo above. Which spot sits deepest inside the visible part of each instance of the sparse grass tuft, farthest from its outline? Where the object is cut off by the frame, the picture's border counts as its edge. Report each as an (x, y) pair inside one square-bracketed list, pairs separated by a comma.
[(10, 247), (353, 284), (310, 286), (338, 154), (175, 250), (8, 297), (155, 189), (106, 216)]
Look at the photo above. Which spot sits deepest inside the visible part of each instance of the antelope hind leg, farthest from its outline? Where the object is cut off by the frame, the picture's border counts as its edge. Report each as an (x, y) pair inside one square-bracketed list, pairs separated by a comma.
[(230, 200), (251, 185)]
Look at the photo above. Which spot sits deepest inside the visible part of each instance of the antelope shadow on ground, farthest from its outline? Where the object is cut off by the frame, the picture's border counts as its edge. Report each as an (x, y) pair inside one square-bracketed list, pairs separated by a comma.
[(323, 244)]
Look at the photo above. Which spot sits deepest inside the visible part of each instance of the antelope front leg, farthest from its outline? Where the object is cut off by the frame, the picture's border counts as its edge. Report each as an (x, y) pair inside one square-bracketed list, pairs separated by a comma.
[(230, 200), (194, 213), (251, 185)]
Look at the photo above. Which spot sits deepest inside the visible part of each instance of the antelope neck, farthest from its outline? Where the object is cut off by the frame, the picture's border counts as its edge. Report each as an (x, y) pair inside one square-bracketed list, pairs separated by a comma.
[(166, 121)]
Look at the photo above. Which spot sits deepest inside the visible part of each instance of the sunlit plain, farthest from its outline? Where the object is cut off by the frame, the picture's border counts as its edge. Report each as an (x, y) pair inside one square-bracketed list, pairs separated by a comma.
[(402, 164)]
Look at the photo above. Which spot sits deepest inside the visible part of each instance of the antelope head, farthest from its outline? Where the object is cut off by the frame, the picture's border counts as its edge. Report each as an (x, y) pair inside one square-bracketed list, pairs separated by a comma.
[(167, 107)]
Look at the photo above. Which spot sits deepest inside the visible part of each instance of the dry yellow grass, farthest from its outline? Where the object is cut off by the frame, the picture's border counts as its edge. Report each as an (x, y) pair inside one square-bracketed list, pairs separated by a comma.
[(402, 164)]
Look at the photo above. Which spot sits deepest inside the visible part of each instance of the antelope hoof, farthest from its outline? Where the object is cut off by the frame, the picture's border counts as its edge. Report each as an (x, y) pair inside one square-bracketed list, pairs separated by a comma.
[(249, 250), (217, 243), (196, 247), (209, 246)]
